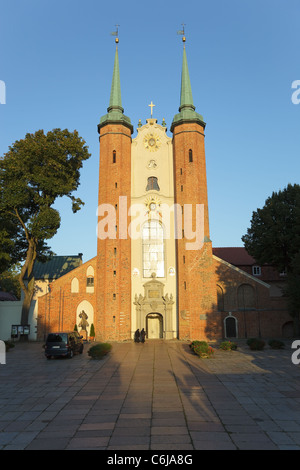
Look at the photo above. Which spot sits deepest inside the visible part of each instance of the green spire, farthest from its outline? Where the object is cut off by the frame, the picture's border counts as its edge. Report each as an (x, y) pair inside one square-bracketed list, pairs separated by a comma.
[(186, 98), (187, 111), (115, 102), (115, 110)]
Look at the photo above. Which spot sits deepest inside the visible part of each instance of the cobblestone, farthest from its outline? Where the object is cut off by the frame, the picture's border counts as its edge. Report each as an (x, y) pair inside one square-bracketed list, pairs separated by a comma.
[(152, 396)]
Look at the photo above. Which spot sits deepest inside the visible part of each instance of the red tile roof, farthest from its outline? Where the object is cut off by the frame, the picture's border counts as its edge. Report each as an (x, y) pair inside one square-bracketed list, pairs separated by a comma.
[(7, 296), (238, 256)]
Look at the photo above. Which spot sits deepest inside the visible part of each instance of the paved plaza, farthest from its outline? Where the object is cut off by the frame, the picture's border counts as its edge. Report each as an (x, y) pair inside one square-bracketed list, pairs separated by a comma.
[(152, 396)]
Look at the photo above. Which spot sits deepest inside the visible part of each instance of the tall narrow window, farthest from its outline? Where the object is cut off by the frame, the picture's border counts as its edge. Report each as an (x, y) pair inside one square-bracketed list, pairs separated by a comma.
[(114, 156), (190, 155), (152, 184), (153, 249), (89, 282)]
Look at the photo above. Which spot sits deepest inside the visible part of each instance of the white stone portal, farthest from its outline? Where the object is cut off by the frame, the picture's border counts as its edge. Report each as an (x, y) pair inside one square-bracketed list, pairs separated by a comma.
[(153, 252)]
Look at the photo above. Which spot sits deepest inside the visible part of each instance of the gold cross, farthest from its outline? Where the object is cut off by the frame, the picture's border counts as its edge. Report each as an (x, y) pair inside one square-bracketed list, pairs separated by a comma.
[(151, 106)]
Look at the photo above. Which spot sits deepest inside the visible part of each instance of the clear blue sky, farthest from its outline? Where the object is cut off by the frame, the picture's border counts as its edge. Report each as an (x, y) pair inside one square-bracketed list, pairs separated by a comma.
[(57, 58)]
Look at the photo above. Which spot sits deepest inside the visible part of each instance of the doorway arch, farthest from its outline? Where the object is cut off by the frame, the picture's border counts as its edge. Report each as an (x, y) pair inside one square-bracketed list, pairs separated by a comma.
[(154, 325)]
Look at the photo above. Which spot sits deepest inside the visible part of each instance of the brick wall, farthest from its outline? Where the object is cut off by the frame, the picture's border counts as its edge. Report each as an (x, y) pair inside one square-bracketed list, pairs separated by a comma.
[(57, 310), (264, 318)]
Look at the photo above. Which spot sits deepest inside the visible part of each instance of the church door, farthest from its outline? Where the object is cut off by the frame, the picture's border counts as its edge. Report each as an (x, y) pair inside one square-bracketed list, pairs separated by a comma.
[(230, 327), (154, 326)]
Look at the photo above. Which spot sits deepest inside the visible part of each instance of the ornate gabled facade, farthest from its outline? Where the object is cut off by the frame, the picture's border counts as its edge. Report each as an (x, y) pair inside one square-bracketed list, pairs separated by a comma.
[(155, 268)]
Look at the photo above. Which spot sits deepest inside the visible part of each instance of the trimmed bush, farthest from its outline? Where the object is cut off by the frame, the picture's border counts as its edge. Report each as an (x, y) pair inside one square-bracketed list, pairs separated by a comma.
[(256, 344), (228, 346), (201, 349), (92, 331), (9, 345), (98, 351), (276, 344)]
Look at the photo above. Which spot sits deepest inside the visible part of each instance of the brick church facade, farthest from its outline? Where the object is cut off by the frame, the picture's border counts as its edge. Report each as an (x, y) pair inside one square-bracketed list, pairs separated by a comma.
[(155, 266)]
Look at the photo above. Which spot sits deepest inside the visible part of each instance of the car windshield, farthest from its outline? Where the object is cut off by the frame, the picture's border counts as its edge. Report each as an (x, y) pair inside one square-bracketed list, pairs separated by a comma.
[(57, 338)]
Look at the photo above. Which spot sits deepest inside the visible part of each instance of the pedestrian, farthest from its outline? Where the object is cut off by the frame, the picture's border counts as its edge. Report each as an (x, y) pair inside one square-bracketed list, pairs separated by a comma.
[(143, 335), (137, 336)]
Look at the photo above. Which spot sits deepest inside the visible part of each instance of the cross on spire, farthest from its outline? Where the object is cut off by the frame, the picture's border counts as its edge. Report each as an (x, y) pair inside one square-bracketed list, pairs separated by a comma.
[(151, 106)]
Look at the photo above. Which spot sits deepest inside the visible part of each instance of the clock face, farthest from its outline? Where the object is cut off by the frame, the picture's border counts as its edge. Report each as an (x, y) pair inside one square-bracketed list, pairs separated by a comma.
[(152, 142)]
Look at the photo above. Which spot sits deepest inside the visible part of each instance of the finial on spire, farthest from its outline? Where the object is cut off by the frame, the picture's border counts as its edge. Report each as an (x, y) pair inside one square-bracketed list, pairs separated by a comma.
[(181, 32), (116, 33)]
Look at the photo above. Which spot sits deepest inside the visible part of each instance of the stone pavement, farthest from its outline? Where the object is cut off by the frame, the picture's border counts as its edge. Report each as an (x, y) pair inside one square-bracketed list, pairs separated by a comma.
[(152, 396)]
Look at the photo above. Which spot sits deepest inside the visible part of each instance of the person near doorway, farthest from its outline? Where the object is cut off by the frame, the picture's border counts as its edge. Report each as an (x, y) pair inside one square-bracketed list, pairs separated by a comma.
[(137, 336), (143, 335)]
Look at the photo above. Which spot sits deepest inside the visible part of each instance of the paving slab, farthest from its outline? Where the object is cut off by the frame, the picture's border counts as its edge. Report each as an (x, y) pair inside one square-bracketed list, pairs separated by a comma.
[(151, 396)]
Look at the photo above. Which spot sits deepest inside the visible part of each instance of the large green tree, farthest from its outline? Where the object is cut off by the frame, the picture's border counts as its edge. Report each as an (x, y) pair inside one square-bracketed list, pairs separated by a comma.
[(33, 173), (274, 238)]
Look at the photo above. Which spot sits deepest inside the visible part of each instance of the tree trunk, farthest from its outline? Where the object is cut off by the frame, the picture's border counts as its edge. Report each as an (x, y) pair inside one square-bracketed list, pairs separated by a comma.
[(28, 288)]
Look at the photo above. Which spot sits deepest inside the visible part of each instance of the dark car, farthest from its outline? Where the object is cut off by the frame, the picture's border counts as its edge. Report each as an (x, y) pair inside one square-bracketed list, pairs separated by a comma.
[(65, 343)]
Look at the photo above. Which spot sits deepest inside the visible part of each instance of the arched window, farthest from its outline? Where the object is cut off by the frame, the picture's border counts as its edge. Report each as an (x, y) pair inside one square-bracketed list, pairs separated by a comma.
[(246, 297), (220, 295), (74, 285), (90, 279), (152, 184), (190, 155), (114, 156), (153, 249)]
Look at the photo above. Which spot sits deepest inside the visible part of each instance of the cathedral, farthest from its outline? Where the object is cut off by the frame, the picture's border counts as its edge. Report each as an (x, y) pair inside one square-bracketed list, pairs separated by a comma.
[(155, 266)]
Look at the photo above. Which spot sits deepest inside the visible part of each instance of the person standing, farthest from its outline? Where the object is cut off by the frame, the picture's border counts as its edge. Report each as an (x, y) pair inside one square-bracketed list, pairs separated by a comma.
[(143, 335), (137, 336)]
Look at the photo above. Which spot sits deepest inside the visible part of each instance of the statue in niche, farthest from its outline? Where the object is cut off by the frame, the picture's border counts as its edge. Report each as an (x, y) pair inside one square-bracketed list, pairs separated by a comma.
[(83, 324)]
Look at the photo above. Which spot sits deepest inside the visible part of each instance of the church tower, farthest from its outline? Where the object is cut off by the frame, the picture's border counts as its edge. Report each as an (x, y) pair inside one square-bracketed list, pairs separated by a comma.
[(196, 284), (113, 245)]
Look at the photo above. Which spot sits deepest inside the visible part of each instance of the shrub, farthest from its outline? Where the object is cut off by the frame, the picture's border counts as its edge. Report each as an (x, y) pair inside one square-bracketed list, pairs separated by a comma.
[(92, 331), (256, 344), (228, 346), (9, 345), (276, 344), (201, 349), (98, 351)]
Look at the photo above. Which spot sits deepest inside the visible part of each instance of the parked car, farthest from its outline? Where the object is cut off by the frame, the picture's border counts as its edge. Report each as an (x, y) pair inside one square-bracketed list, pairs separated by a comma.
[(65, 343)]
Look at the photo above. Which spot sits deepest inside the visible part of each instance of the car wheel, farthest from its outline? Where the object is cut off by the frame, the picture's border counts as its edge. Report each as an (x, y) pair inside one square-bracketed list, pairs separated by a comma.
[(71, 353), (81, 350), (48, 357)]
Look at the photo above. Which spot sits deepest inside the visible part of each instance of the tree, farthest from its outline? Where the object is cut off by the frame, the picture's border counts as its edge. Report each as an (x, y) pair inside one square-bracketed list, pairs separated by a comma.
[(274, 238), (9, 281), (33, 173)]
